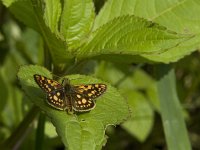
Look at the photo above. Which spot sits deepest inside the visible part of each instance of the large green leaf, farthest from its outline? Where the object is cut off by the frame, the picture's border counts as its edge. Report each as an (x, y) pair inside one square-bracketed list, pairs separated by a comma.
[(83, 130), (130, 35), (52, 14), (179, 16), (76, 21)]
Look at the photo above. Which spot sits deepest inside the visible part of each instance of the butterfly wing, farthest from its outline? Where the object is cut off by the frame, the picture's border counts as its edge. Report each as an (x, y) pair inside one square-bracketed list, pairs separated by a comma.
[(57, 99), (55, 92), (82, 97), (48, 85)]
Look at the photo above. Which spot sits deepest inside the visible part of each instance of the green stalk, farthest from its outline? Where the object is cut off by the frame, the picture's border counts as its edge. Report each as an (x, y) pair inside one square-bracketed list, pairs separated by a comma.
[(171, 110), (40, 132)]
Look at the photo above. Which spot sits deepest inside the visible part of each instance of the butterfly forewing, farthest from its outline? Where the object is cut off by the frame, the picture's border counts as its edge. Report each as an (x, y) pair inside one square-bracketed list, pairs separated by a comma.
[(90, 90), (83, 96), (48, 85), (55, 92)]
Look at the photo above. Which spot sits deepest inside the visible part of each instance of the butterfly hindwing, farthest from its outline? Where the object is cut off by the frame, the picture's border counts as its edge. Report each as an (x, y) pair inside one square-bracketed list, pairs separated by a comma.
[(57, 99), (80, 103), (83, 96)]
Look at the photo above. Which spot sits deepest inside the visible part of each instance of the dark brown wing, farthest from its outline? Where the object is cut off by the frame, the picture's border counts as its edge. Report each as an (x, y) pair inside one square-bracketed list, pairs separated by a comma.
[(48, 85), (55, 92), (82, 96), (57, 99)]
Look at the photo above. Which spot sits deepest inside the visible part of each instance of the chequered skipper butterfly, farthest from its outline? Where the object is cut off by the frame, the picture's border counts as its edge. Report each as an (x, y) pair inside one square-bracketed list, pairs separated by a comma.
[(69, 97)]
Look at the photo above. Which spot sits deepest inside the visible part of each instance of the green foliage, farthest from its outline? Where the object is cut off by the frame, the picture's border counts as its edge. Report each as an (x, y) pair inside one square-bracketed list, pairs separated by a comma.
[(88, 128), (73, 37), (171, 113)]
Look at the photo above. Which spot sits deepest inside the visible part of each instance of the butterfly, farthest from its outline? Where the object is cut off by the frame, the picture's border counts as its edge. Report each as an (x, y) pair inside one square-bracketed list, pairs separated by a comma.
[(64, 96)]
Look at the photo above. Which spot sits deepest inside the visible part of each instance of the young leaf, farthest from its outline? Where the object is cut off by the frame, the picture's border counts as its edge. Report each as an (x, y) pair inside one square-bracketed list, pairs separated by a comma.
[(178, 16), (76, 21), (80, 130), (52, 14), (130, 35)]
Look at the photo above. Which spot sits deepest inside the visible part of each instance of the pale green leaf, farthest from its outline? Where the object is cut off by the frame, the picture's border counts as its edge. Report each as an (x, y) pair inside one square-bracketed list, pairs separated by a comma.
[(142, 118), (8, 2), (176, 53), (82, 130), (76, 21), (130, 35), (52, 14), (171, 110), (179, 16)]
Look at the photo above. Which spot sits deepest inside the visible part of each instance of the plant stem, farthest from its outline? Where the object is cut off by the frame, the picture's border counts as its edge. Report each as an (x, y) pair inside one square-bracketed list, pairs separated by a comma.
[(16, 138), (40, 132)]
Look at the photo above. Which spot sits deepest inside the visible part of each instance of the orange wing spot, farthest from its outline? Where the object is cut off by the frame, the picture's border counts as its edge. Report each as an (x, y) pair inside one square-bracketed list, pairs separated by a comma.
[(55, 83), (96, 85), (100, 89), (89, 87), (93, 92), (82, 86), (79, 102), (90, 94), (103, 85), (42, 77), (55, 97), (79, 96), (49, 81), (84, 101)]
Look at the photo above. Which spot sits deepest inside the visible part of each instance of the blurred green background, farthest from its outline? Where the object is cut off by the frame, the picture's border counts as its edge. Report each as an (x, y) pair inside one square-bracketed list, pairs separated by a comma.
[(21, 45)]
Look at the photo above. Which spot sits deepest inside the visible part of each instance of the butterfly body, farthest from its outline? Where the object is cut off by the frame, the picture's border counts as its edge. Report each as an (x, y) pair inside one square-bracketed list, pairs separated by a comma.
[(69, 97)]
